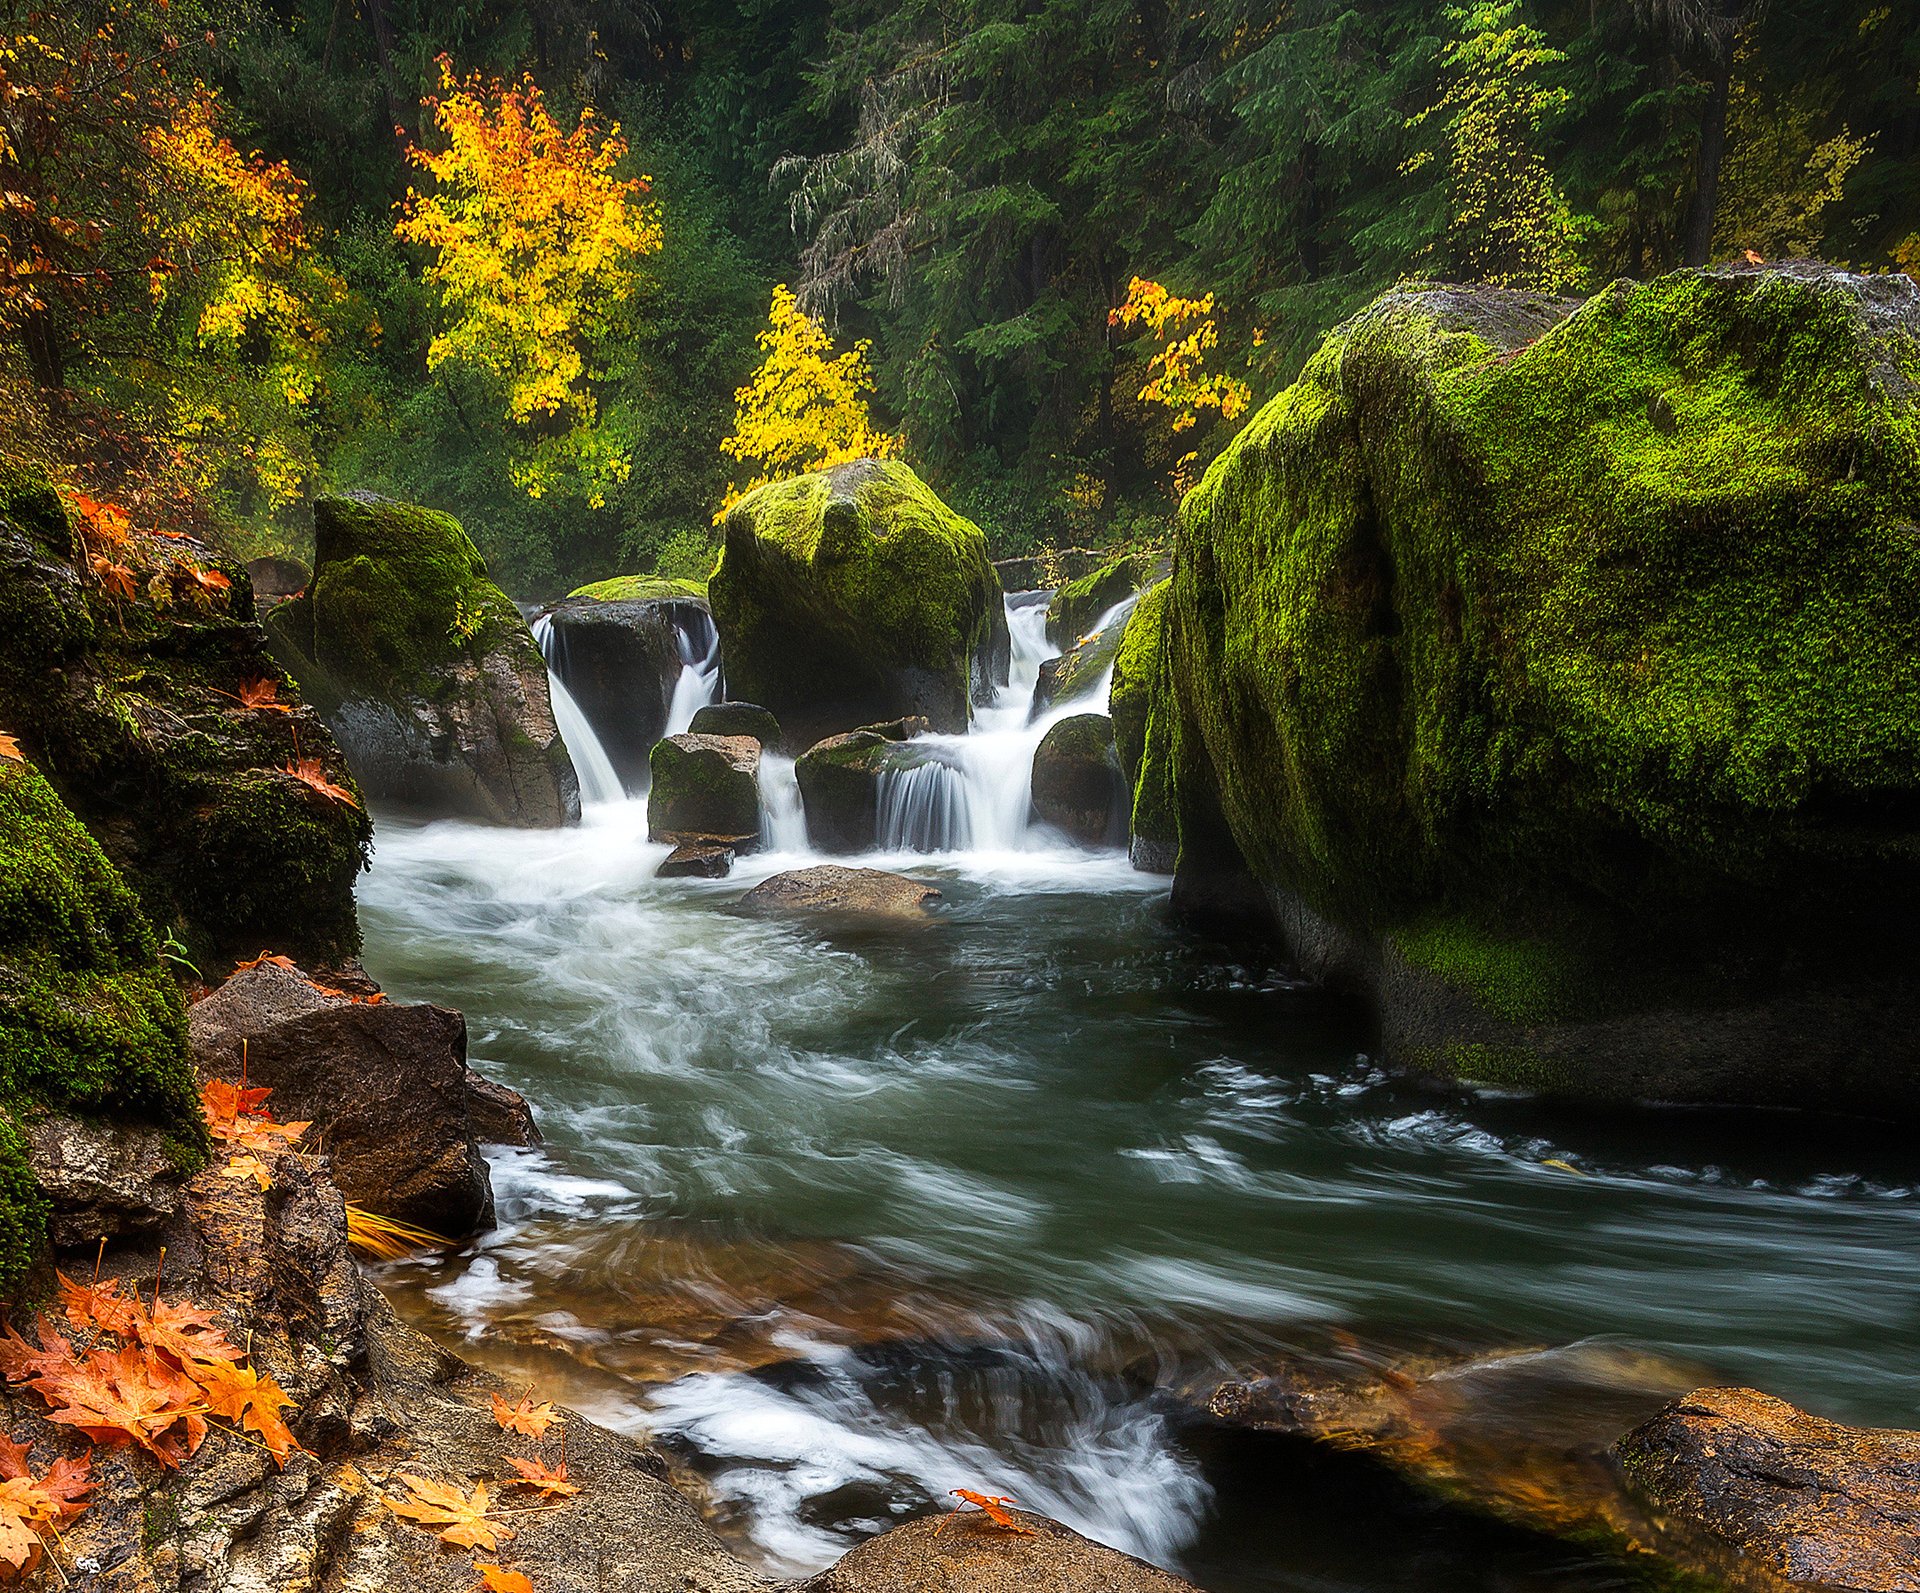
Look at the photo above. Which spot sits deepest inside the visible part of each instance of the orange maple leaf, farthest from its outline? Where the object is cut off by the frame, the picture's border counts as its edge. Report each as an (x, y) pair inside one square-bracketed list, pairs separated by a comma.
[(241, 1395), (249, 1167), (98, 1304), (993, 1505), (187, 1333), (20, 1361), (66, 1482), (312, 772), (9, 748), (462, 1517), (127, 1396), (550, 1480), (498, 1579), (206, 580), (270, 959), (526, 1418), (262, 694), (25, 1508), (116, 578)]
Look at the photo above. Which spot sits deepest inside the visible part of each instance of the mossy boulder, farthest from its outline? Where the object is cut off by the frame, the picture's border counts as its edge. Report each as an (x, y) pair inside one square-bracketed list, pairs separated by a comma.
[(705, 788), (841, 779), (91, 1022), (1135, 663), (640, 589), (424, 668), (854, 594), (737, 719), (1079, 673), (1076, 608), (1077, 784), (621, 661), (133, 705), (1551, 667)]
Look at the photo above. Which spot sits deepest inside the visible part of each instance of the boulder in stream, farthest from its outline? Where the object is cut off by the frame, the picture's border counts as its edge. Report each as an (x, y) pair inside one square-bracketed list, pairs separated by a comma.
[(705, 788), (1077, 606), (698, 860), (1502, 659), (1077, 673), (840, 781), (831, 889), (1077, 784), (737, 719), (385, 1085), (1811, 1500), (853, 595), (424, 669)]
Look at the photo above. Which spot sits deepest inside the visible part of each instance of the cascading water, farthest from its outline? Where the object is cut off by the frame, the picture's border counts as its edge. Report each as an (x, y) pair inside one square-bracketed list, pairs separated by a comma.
[(699, 682), (598, 780), (783, 821)]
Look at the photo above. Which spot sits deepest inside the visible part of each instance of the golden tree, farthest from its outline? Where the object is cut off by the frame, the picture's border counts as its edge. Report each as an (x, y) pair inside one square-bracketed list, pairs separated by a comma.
[(536, 242), (806, 407), (1178, 375)]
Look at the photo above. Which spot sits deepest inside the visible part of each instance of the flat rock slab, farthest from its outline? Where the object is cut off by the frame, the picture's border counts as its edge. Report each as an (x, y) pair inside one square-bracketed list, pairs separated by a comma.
[(830, 888), (698, 860), (1809, 1499), (970, 1554)]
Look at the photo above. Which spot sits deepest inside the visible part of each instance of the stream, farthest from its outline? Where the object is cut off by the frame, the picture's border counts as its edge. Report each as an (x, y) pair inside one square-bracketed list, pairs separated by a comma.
[(845, 1218)]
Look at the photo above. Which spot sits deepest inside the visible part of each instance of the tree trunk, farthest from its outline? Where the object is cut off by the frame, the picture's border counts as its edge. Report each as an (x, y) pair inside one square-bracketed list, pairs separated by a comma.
[(46, 354), (1713, 150), (383, 47)]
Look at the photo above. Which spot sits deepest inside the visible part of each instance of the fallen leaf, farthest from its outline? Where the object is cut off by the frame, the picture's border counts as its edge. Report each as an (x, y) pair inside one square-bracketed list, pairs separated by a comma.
[(10, 749), (527, 1419), (498, 1579), (550, 1480), (249, 1167), (462, 1516), (311, 772), (24, 1508), (98, 1304), (184, 1331), (270, 959), (126, 1396), (241, 1395), (993, 1506), (116, 578), (262, 694)]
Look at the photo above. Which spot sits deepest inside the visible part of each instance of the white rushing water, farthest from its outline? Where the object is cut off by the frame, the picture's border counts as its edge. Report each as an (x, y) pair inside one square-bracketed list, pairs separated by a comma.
[(699, 682), (598, 781)]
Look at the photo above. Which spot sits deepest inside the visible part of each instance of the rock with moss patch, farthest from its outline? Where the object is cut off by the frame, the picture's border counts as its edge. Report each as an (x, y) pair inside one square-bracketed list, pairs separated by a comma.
[(853, 595), (1077, 784), (1079, 673), (621, 662), (1078, 606), (737, 719), (167, 727), (1533, 716), (705, 788), (641, 589), (424, 669), (841, 779), (92, 1026)]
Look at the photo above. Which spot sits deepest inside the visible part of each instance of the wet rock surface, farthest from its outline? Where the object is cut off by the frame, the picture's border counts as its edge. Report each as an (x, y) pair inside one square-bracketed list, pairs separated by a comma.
[(737, 719), (103, 1178), (698, 860), (386, 1086), (1077, 784), (705, 788), (1819, 1503), (971, 1554), (830, 889), (621, 662), (840, 780)]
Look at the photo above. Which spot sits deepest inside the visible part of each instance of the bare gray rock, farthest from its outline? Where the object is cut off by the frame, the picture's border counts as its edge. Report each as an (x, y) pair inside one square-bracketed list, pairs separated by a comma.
[(830, 888)]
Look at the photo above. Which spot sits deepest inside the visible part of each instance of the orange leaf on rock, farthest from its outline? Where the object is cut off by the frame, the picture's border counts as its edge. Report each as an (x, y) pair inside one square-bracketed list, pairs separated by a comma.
[(526, 1418), (10, 749), (311, 772), (462, 1517), (20, 1361), (993, 1506), (98, 1304), (127, 1396), (241, 1395), (498, 1579), (550, 1480), (24, 1509), (184, 1331), (262, 694), (271, 960), (249, 1167)]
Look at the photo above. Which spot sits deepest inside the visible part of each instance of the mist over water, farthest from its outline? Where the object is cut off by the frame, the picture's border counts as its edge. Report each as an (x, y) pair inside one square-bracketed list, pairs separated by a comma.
[(850, 1217)]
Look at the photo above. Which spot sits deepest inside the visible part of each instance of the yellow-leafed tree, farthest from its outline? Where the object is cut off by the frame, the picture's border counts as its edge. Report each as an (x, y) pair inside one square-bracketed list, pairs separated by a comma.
[(806, 407), (536, 243)]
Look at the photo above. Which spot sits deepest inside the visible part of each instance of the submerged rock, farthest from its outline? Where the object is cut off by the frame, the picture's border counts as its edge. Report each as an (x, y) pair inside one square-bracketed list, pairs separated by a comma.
[(737, 719), (140, 709), (1077, 784), (971, 1554), (1518, 693), (620, 661), (385, 1085), (424, 669), (854, 594), (705, 788), (830, 888), (1816, 1502), (840, 780), (92, 1028), (1077, 607)]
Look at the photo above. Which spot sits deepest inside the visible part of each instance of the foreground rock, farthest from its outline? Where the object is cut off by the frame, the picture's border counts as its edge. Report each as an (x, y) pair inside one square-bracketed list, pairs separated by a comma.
[(830, 889), (737, 719), (855, 595), (424, 669), (146, 706), (93, 1036), (698, 860), (705, 789), (841, 780), (620, 661), (1077, 784), (385, 1085), (1816, 1502), (1524, 709), (973, 1554)]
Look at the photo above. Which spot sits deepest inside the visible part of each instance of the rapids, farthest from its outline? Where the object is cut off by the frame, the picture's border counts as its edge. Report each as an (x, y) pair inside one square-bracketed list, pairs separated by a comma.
[(848, 1218)]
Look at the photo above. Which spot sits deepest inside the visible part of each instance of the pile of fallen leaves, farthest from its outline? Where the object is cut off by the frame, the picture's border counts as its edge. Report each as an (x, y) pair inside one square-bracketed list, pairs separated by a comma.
[(123, 558), (471, 1518), (124, 1372)]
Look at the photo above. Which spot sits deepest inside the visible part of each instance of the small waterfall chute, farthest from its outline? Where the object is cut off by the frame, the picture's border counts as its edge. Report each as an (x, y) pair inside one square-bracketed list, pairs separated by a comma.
[(783, 818), (598, 780), (699, 682)]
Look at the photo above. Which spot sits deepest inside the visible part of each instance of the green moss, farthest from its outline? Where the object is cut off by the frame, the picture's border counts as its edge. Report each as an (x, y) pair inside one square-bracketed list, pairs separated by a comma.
[(1134, 666), (1506, 1067), (637, 588), (90, 1019), (1521, 978), (1078, 605), (1595, 613), (699, 790), (858, 587)]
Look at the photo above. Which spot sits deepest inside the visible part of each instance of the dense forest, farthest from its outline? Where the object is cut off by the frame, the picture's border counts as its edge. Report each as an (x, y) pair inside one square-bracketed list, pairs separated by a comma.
[(577, 271)]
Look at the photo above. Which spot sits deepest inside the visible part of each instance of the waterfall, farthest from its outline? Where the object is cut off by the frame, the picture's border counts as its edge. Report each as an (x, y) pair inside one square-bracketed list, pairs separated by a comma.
[(699, 682), (598, 781), (783, 821)]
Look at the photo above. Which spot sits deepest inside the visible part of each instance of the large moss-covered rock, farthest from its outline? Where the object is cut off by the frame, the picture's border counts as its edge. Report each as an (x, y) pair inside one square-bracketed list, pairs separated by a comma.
[(156, 710), (1077, 784), (621, 660), (1135, 664), (854, 594), (425, 670), (91, 1023), (640, 589), (1552, 667), (705, 788), (1077, 607)]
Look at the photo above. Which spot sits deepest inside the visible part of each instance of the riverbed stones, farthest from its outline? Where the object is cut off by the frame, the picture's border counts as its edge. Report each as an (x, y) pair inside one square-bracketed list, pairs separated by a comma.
[(854, 594), (971, 1554), (1522, 704), (385, 1084), (620, 662), (832, 889), (424, 669), (705, 789), (1077, 784), (1812, 1500), (737, 719)]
